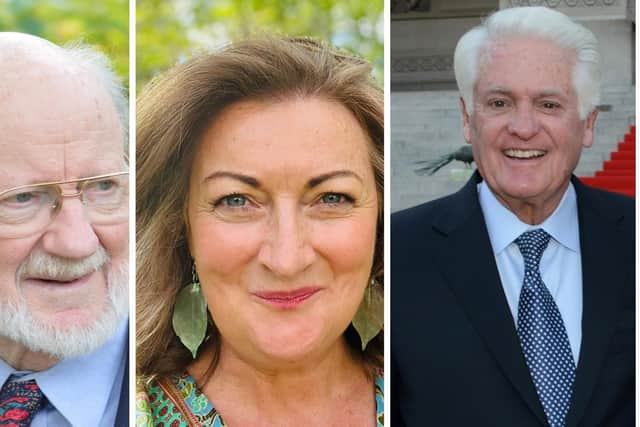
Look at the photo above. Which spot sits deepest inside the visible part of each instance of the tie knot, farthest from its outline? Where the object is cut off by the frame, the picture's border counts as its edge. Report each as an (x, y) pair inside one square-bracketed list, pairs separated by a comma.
[(532, 244), (19, 402)]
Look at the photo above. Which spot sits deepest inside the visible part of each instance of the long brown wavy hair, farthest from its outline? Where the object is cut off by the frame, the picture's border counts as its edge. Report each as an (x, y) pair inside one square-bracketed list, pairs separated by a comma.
[(172, 113)]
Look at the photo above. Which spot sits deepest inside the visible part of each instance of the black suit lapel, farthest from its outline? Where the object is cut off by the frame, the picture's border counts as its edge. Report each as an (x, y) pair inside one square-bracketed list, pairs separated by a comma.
[(468, 265), (602, 280), (122, 415)]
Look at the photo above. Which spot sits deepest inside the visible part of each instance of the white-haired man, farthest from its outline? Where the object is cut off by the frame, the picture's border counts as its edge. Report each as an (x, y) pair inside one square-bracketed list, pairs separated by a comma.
[(513, 299), (63, 237)]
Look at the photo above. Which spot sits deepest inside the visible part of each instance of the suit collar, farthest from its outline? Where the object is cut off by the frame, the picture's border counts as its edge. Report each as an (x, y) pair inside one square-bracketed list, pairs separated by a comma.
[(122, 414), (465, 204), (484, 302), (603, 276), (468, 265), (504, 226)]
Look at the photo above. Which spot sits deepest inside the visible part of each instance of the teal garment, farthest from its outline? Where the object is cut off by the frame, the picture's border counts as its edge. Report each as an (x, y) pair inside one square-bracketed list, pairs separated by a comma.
[(177, 402), (379, 386)]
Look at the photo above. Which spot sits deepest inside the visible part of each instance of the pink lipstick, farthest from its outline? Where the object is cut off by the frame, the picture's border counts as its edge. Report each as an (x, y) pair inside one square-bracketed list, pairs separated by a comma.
[(287, 299)]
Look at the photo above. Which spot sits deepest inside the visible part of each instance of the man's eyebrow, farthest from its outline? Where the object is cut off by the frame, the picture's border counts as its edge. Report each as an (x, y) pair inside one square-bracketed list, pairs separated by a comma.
[(330, 175), (552, 92), (497, 90), (246, 179)]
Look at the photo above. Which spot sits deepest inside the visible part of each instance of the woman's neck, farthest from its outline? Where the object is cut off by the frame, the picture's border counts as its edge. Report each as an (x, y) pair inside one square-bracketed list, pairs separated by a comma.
[(250, 392)]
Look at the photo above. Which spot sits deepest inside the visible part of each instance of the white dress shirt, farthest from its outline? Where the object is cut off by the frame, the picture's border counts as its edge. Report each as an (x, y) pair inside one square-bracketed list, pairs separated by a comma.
[(81, 391), (560, 266)]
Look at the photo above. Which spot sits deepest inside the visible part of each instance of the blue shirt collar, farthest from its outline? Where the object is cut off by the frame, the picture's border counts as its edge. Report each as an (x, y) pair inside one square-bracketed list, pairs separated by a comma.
[(80, 387), (504, 226)]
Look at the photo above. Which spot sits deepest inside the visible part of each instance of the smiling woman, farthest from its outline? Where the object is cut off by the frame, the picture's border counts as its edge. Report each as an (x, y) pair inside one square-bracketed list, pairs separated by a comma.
[(260, 182)]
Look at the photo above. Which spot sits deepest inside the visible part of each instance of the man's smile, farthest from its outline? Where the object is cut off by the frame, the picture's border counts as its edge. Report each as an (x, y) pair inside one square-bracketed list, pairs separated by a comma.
[(524, 154)]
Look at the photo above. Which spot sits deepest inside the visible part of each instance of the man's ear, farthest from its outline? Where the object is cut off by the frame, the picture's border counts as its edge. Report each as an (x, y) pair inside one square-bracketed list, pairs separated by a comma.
[(590, 122), (466, 126)]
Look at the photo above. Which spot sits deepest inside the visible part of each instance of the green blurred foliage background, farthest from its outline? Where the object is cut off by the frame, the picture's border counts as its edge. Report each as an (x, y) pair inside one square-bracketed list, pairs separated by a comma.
[(104, 24), (171, 31)]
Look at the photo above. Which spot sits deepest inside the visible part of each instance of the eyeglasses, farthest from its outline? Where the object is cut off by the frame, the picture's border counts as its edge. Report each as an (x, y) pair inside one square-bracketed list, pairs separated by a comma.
[(29, 209)]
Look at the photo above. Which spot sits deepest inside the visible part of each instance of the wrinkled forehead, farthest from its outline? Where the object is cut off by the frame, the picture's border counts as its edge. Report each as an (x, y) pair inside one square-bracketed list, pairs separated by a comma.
[(528, 65), (58, 120), (521, 49)]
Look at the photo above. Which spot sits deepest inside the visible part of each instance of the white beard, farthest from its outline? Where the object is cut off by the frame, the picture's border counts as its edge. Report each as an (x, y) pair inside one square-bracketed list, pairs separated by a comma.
[(19, 325)]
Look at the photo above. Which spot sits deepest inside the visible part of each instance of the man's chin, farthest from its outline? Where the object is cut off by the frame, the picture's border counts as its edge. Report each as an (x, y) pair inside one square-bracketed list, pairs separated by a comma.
[(60, 340), (66, 321), (70, 333)]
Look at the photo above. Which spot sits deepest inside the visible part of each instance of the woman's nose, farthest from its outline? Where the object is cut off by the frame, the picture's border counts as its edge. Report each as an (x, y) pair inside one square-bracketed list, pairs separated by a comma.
[(287, 249)]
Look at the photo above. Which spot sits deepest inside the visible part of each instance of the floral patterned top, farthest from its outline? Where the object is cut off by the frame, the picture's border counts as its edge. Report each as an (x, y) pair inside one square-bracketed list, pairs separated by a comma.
[(177, 402)]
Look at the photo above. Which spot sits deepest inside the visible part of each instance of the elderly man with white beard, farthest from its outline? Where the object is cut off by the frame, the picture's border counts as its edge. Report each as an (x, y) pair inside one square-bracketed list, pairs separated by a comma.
[(63, 237)]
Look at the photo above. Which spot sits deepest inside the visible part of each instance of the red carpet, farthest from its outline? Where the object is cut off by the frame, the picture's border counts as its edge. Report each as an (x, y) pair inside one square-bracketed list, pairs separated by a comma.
[(619, 173)]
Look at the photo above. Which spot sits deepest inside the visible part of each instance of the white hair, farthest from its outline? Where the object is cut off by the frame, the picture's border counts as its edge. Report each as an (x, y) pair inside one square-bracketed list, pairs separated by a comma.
[(20, 325), (98, 64), (535, 22)]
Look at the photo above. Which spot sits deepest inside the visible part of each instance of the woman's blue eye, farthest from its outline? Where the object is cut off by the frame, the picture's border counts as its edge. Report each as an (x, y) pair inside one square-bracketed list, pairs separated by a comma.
[(334, 198), (234, 201)]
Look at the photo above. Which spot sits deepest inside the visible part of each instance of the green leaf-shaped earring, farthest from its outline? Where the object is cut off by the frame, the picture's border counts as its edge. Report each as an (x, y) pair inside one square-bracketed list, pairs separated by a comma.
[(369, 319), (190, 314)]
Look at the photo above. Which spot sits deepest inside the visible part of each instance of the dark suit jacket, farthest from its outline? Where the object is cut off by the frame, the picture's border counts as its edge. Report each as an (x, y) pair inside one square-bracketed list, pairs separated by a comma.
[(122, 416), (455, 355)]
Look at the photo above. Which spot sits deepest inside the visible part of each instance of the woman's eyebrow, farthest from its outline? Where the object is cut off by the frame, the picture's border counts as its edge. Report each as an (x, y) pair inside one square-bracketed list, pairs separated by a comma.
[(253, 182), (249, 180), (330, 175)]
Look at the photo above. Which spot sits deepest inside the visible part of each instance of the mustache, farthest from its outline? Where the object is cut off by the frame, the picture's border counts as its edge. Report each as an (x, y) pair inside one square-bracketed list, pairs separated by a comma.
[(42, 265)]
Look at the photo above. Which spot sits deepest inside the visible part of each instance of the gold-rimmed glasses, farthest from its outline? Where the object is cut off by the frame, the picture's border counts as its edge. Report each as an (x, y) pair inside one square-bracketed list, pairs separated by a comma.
[(29, 209)]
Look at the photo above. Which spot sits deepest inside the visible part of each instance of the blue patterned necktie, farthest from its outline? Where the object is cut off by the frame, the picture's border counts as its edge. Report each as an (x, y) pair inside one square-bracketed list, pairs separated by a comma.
[(19, 402), (542, 334)]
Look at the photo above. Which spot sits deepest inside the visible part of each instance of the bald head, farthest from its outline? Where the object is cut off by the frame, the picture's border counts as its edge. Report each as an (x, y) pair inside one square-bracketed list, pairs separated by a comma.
[(43, 75), (14, 46), (65, 103)]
